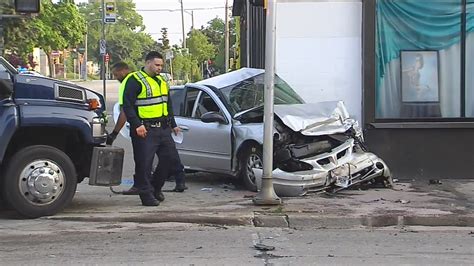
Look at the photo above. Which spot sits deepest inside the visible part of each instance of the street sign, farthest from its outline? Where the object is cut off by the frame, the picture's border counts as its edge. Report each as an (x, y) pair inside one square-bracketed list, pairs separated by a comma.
[(110, 15), (102, 47), (107, 57)]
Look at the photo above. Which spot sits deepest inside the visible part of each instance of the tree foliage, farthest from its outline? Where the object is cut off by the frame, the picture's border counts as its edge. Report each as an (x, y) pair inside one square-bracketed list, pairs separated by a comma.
[(58, 26), (126, 39)]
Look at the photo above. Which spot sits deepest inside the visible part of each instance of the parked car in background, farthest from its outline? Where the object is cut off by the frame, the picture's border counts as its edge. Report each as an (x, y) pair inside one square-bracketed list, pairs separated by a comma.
[(316, 146)]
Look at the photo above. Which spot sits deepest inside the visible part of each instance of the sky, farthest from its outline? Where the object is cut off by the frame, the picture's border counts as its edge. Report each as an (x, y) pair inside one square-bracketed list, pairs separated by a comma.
[(155, 20)]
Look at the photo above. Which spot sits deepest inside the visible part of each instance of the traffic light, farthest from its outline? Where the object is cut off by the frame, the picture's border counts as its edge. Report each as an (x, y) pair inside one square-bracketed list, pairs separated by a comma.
[(27, 6)]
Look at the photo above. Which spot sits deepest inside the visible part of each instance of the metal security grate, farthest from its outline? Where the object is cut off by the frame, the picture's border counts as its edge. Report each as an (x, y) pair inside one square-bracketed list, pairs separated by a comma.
[(68, 93)]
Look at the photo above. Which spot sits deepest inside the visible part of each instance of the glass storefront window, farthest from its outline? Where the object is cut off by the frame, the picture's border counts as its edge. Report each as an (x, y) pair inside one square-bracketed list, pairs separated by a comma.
[(418, 51), (469, 62)]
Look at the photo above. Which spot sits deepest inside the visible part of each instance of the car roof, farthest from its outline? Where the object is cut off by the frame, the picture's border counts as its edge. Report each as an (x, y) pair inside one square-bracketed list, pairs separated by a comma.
[(231, 78)]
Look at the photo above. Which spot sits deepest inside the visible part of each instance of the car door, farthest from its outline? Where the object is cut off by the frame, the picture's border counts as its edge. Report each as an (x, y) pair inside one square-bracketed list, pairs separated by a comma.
[(205, 146)]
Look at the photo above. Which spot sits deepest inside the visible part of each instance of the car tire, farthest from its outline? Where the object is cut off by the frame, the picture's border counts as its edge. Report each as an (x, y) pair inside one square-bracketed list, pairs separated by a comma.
[(39, 181), (251, 156)]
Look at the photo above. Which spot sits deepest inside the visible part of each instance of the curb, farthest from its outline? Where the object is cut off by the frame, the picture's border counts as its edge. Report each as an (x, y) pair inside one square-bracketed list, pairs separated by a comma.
[(214, 219), (283, 220)]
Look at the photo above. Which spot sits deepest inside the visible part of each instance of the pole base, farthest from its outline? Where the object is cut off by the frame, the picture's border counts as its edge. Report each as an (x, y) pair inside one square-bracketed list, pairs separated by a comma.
[(267, 195)]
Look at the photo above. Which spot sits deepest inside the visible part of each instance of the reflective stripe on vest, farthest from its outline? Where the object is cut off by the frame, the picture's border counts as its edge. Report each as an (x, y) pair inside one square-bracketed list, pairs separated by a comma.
[(152, 102)]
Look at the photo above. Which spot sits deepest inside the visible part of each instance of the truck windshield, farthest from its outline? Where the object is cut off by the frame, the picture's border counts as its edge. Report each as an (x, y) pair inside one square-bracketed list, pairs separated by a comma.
[(249, 94)]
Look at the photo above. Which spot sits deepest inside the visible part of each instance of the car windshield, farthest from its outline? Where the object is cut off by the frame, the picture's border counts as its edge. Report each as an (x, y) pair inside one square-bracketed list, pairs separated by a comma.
[(249, 94)]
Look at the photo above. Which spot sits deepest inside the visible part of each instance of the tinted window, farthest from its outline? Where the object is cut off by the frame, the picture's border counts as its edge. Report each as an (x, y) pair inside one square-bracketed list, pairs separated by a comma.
[(177, 101), (191, 96), (206, 104)]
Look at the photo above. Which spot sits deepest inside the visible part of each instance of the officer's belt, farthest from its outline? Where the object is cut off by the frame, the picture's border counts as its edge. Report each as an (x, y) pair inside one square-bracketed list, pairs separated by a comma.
[(151, 101), (158, 122)]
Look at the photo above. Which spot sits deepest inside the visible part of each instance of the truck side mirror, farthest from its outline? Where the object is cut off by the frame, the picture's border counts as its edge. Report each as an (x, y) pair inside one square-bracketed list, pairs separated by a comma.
[(6, 85)]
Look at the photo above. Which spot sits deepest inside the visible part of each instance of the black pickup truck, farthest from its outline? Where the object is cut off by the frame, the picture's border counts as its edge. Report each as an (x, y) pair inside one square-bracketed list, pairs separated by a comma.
[(52, 137)]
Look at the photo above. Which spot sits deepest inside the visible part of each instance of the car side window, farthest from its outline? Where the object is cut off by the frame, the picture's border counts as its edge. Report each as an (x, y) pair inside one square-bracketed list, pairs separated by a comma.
[(206, 104), (191, 97)]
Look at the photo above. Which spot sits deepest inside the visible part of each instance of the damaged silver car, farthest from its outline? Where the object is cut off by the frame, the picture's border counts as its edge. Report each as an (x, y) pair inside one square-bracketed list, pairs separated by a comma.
[(317, 146)]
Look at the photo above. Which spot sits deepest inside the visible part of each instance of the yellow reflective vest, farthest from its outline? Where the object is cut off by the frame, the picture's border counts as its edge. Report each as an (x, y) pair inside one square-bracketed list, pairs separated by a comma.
[(152, 102), (122, 88)]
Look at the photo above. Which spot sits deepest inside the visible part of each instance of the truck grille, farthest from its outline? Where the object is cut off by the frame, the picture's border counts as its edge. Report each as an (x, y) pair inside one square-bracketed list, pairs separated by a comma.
[(70, 94)]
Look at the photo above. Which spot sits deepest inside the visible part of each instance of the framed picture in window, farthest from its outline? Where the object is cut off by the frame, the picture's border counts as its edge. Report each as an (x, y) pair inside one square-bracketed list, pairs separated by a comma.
[(419, 76)]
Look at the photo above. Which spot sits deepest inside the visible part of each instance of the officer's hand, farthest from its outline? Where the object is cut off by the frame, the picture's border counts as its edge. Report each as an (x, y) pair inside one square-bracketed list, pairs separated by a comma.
[(176, 130), (111, 137), (141, 131)]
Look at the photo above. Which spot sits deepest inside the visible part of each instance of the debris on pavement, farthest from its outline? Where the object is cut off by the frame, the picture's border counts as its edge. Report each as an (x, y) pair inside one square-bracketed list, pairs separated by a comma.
[(435, 182), (263, 247), (402, 201), (208, 189)]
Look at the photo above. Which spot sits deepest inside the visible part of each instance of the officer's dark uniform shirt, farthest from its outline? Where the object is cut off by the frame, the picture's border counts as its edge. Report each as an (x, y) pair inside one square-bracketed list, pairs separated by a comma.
[(132, 90)]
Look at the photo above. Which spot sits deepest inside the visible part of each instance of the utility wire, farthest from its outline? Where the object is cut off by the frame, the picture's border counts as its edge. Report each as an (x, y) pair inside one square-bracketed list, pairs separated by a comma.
[(186, 9)]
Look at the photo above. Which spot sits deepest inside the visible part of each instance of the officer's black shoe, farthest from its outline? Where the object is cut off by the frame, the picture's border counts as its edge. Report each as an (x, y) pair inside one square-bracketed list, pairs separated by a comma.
[(149, 200), (180, 187), (159, 196)]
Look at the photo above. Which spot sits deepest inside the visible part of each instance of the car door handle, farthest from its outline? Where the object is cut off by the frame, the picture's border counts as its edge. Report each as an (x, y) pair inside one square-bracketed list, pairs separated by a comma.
[(184, 128)]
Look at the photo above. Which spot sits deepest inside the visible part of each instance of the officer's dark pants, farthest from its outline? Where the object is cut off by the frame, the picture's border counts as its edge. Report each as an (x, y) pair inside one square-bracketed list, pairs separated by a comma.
[(176, 169), (158, 141)]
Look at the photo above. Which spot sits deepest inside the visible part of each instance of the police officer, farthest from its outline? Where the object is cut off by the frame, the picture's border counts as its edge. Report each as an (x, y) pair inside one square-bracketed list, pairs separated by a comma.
[(148, 110), (121, 71)]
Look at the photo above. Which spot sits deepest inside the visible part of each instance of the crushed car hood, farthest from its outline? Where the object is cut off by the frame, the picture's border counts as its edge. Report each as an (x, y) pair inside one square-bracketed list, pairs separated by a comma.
[(316, 119)]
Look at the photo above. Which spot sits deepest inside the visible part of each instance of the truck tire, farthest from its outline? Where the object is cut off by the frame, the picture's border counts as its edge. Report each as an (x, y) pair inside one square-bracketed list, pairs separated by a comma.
[(250, 157), (39, 181)]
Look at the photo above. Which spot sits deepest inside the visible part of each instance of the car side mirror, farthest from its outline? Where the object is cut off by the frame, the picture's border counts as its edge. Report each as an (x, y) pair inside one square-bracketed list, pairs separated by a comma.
[(211, 117)]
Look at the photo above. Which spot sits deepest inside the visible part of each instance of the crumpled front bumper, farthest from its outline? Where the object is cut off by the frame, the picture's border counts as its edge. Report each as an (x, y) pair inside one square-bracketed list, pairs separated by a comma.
[(341, 168)]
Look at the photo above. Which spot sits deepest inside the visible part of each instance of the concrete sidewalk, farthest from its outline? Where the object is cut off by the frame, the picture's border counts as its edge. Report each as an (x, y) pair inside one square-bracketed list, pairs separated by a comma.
[(211, 200)]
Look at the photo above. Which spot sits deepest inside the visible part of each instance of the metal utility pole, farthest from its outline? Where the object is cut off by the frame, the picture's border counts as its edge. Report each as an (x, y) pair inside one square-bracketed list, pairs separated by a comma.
[(267, 195), (84, 71), (226, 35), (104, 52), (182, 24), (247, 33)]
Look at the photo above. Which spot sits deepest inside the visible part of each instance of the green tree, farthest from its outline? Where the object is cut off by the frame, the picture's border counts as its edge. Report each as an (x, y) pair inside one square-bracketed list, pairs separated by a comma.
[(126, 39), (215, 32), (164, 39), (199, 46), (58, 26)]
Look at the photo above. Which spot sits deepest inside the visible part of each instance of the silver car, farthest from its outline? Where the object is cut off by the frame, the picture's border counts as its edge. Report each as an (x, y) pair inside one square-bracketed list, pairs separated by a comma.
[(316, 146)]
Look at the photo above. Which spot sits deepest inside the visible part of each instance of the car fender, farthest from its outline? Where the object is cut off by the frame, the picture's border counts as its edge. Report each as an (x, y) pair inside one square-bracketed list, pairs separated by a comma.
[(243, 134)]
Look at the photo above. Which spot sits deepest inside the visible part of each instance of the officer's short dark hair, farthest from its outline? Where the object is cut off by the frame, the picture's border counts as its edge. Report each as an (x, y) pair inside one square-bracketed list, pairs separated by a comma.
[(120, 66), (152, 55)]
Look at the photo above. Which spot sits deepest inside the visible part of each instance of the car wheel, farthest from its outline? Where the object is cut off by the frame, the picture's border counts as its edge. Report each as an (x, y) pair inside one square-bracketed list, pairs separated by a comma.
[(251, 157), (39, 181)]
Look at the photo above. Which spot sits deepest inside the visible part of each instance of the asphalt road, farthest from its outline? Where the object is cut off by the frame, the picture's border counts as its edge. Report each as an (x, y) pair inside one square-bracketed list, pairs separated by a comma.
[(57, 242)]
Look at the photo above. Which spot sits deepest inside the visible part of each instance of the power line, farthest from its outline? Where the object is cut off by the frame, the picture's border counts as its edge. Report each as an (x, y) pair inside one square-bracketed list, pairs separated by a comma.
[(187, 9)]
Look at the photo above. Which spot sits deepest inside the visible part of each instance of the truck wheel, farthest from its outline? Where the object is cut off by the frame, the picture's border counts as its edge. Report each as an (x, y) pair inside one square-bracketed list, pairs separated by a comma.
[(251, 157), (39, 181)]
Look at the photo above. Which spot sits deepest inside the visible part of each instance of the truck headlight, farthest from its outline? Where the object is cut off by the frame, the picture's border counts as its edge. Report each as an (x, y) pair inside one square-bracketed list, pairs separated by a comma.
[(98, 127)]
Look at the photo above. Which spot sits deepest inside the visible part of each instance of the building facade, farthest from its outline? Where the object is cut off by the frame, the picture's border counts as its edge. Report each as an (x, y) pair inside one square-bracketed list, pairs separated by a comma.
[(405, 68)]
